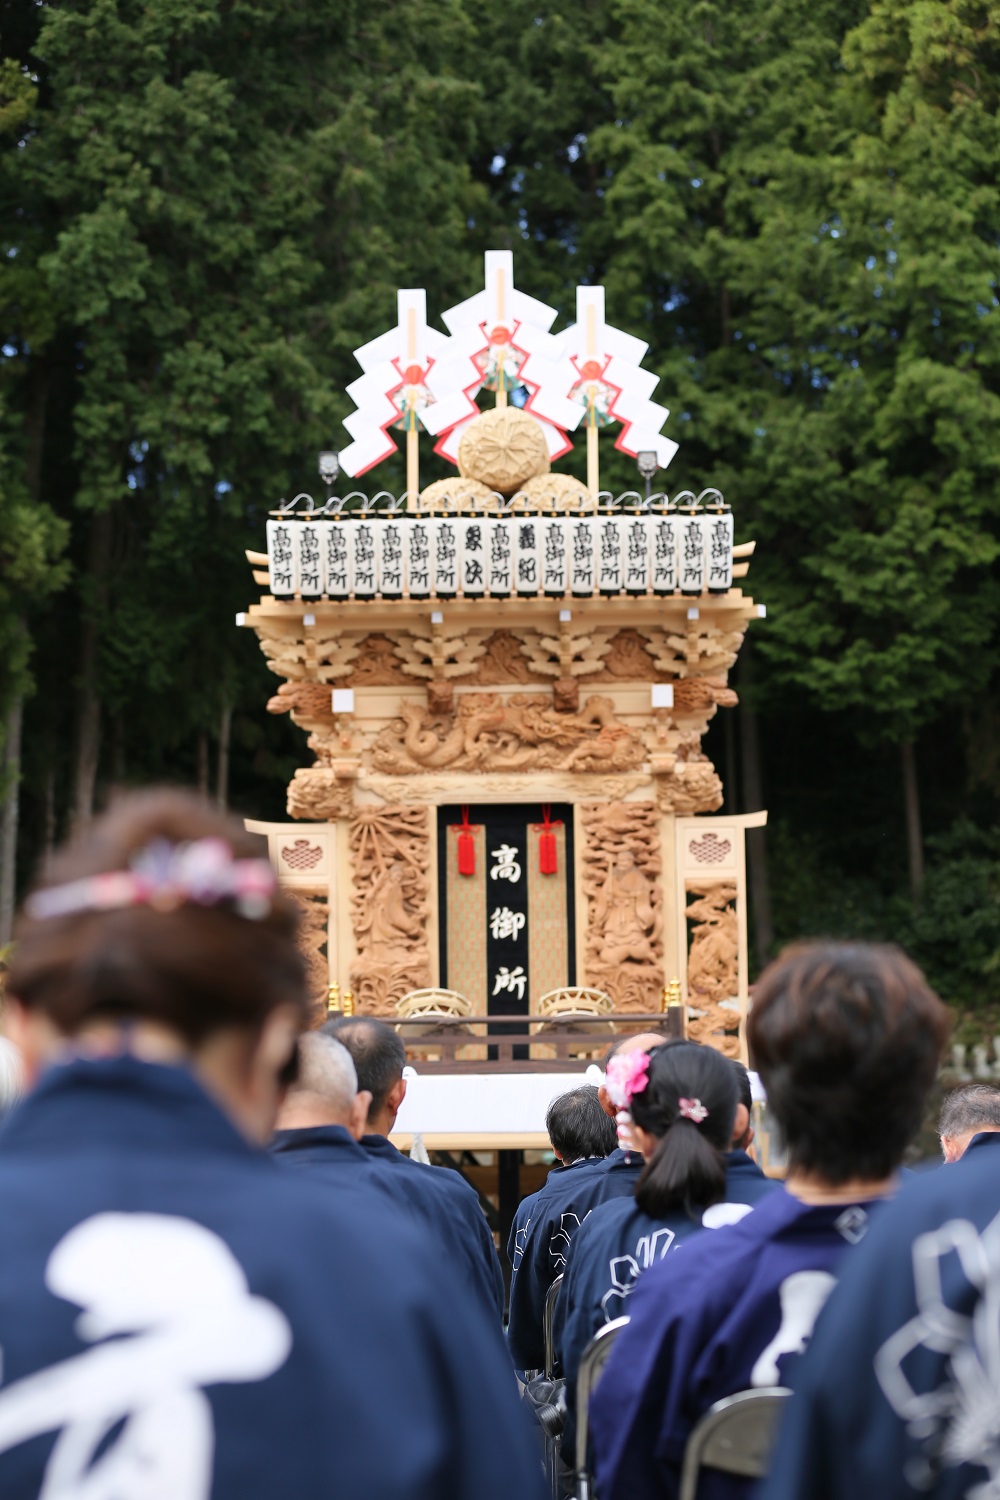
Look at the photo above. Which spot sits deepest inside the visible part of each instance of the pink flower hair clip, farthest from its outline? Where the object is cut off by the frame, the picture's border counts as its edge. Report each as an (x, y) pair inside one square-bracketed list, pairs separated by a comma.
[(692, 1109), (627, 1075), (164, 876)]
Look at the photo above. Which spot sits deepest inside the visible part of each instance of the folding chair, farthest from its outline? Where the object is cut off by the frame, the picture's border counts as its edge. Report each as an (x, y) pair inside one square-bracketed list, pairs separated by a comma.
[(592, 1362), (735, 1435), (548, 1318)]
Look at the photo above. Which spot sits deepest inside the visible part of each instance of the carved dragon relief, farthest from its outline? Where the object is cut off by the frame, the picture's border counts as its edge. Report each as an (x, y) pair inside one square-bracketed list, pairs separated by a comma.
[(713, 965), (391, 861), (620, 868), (312, 935), (521, 733)]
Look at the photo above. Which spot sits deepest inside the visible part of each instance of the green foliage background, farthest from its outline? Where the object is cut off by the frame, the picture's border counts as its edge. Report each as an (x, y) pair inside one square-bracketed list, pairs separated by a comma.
[(205, 205)]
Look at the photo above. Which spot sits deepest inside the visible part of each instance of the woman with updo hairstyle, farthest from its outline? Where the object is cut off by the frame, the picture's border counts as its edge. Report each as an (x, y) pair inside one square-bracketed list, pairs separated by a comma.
[(683, 1100), (177, 1315)]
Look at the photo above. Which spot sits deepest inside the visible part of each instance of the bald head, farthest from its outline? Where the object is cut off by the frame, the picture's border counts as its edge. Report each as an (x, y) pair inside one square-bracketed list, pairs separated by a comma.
[(326, 1089), (643, 1041)]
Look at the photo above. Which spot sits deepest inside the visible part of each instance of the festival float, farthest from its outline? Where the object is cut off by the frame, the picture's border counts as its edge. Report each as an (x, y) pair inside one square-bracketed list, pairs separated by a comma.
[(506, 840)]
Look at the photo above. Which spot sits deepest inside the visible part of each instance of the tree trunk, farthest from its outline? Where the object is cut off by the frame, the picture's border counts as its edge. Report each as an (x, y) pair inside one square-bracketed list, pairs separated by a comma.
[(222, 768), (88, 703), (203, 764), (49, 833), (753, 801), (914, 833), (10, 786)]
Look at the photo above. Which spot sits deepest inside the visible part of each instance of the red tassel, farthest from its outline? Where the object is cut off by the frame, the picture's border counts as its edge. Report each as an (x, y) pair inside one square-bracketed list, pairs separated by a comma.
[(548, 859), (466, 846), (548, 853)]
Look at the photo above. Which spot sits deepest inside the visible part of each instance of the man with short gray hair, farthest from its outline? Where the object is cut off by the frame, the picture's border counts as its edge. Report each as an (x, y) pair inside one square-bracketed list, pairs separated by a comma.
[(322, 1119), (326, 1126), (970, 1116)]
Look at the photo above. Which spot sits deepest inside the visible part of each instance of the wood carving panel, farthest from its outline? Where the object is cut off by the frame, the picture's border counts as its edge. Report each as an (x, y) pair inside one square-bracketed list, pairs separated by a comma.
[(621, 868), (391, 861), (314, 907), (377, 664), (521, 733), (316, 794), (713, 964)]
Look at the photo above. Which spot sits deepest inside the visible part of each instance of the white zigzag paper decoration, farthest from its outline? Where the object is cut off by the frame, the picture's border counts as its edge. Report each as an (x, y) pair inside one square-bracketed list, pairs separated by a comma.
[(600, 371), (497, 336), (499, 339), (393, 390)]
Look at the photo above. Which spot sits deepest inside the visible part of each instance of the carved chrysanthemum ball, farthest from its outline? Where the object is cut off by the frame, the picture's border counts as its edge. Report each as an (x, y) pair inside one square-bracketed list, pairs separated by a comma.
[(553, 492), (503, 448), (457, 493)]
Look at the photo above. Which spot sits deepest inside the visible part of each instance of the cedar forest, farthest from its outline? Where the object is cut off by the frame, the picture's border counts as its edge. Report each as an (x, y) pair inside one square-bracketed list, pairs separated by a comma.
[(205, 205)]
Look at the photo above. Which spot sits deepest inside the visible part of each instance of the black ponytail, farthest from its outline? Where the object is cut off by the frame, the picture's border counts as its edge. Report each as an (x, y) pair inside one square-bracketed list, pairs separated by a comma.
[(688, 1168)]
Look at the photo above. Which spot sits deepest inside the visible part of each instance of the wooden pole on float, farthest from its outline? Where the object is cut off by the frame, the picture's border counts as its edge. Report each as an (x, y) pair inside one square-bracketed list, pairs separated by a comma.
[(502, 318), (412, 433), (593, 461)]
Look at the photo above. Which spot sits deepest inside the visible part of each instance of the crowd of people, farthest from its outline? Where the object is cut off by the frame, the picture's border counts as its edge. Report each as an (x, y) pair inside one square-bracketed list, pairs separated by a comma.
[(219, 1278)]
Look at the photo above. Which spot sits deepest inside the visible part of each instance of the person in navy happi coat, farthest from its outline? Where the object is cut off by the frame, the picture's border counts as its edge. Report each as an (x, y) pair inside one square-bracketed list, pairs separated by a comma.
[(689, 1181), (180, 1318), (542, 1233), (897, 1396), (446, 1202), (321, 1121), (846, 1039), (582, 1135)]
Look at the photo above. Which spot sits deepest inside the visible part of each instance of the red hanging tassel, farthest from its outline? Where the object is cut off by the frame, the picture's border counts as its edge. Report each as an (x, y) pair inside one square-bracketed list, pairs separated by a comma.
[(466, 846), (548, 854)]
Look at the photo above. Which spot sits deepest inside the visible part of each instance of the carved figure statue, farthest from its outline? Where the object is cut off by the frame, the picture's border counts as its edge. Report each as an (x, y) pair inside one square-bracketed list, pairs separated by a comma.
[(391, 929), (713, 965), (624, 914), (390, 851), (620, 862)]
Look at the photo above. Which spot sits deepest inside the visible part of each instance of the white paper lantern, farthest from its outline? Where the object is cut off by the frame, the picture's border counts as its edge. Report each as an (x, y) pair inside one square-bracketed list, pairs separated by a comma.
[(718, 529), (363, 534), (475, 554), (447, 556), (580, 535), (691, 551), (526, 531), (662, 534), (419, 570), (339, 573), (501, 556), (552, 555), (283, 557), (636, 560), (391, 532), (312, 559), (610, 550)]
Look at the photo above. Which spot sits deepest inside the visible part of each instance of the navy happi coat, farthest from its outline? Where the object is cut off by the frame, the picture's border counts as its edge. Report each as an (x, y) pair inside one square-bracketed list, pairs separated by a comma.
[(899, 1394), (450, 1209), (546, 1239), (614, 1246), (731, 1309), (182, 1320), (562, 1179)]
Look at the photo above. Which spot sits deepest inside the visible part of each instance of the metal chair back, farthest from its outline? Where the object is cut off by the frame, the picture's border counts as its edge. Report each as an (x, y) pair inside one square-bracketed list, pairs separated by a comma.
[(735, 1435), (592, 1362), (548, 1318)]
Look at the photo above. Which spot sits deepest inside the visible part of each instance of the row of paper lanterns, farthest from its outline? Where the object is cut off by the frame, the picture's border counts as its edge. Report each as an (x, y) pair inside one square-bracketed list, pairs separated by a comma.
[(500, 556)]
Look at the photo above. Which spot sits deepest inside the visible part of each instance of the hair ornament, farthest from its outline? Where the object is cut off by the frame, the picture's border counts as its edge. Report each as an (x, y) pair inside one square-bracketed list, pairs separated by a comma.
[(627, 1075), (166, 876), (692, 1109)]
